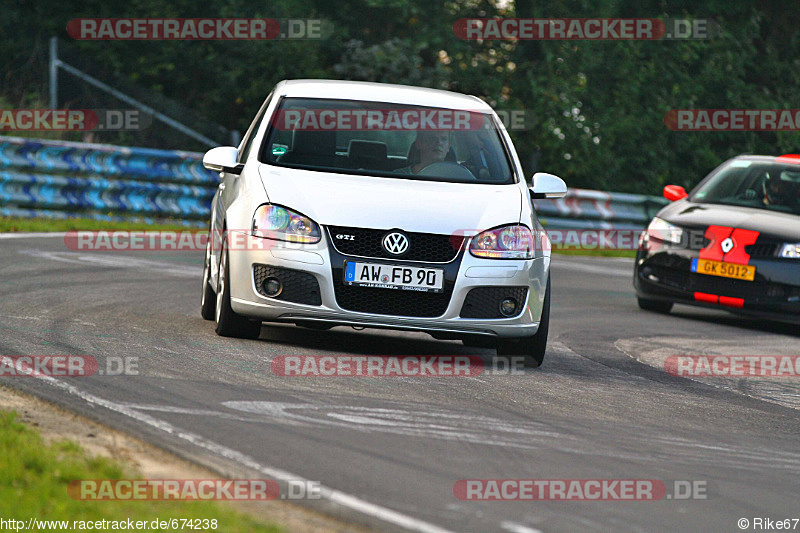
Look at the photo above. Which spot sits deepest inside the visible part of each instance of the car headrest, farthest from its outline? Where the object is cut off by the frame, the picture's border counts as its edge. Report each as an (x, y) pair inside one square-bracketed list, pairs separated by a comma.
[(372, 150), (314, 142)]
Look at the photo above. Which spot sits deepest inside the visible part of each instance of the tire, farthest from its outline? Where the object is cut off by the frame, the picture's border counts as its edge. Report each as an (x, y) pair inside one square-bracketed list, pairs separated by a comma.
[(656, 306), (532, 348), (208, 302), (229, 324)]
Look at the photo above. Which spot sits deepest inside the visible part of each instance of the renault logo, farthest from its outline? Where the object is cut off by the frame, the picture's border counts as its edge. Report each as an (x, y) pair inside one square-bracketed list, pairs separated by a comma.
[(727, 245), (395, 243)]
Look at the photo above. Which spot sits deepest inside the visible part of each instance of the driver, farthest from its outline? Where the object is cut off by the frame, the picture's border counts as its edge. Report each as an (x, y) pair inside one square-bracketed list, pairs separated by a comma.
[(432, 146), (778, 191)]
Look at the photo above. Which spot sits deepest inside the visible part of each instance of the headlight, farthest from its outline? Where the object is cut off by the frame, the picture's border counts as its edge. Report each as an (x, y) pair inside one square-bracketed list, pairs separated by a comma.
[(664, 231), (275, 222), (510, 242), (791, 251)]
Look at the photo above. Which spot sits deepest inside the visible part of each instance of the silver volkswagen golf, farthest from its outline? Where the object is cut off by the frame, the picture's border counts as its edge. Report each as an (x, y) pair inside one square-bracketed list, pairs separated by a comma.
[(382, 206)]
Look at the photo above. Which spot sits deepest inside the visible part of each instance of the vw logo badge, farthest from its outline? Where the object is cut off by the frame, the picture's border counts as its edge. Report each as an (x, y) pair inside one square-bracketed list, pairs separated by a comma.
[(395, 243)]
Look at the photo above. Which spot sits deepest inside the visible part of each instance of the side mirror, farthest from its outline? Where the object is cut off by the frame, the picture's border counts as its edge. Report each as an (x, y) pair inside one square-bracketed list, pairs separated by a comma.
[(223, 159), (547, 186), (673, 193)]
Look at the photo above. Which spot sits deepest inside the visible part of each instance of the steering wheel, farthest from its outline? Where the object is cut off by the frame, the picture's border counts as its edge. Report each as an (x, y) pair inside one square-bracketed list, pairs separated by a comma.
[(748, 195), (449, 170)]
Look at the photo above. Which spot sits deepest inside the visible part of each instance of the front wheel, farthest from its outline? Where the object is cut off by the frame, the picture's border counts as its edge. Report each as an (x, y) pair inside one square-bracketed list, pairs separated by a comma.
[(229, 324), (209, 299), (532, 348), (656, 306)]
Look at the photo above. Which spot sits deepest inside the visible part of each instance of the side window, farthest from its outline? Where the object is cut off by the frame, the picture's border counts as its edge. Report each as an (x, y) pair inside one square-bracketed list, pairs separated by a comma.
[(250, 136)]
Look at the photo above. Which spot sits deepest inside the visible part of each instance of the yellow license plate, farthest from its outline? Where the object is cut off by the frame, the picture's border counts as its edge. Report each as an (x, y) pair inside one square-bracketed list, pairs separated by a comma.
[(725, 270)]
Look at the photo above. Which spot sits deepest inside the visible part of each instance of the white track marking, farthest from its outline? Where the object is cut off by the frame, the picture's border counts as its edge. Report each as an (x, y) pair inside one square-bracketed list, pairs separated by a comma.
[(118, 261), (47, 235), (409, 421), (345, 500), (517, 528)]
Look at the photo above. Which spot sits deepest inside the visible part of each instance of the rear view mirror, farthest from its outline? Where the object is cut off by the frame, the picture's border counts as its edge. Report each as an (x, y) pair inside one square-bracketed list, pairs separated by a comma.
[(673, 193), (223, 159), (547, 186)]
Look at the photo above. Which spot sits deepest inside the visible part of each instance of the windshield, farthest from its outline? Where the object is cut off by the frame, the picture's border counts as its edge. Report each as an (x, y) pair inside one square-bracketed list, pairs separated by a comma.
[(387, 140), (762, 185)]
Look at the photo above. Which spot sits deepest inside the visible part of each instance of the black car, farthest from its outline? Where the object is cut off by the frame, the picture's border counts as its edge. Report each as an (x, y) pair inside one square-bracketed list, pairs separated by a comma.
[(733, 243)]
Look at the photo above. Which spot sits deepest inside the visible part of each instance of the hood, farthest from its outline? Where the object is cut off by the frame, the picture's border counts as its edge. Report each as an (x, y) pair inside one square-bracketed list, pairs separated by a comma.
[(332, 199), (781, 226)]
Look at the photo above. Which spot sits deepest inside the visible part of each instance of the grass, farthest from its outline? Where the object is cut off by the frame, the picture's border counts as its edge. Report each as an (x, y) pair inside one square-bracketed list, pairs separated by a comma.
[(12, 224), (34, 478)]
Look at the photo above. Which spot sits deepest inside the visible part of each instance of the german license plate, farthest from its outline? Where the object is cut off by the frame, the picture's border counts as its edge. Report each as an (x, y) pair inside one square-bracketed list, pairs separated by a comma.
[(406, 278), (725, 270)]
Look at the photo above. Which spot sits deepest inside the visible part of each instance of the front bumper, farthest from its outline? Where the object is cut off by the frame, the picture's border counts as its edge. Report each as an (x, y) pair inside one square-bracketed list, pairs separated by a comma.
[(666, 276), (324, 263)]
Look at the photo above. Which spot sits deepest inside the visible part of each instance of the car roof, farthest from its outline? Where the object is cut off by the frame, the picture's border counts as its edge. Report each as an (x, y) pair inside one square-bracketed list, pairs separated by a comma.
[(379, 92), (788, 158)]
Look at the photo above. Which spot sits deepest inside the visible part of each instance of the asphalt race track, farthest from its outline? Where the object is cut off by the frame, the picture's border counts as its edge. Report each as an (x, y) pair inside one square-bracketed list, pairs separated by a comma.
[(388, 451)]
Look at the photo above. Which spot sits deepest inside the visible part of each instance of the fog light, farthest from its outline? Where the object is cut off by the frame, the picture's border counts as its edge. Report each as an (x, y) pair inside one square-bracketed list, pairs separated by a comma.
[(272, 287), (508, 307)]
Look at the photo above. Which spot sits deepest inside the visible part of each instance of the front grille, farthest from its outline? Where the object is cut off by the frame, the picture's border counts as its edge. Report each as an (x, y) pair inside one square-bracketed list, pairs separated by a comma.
[(394, 302), (484, 302), (298, 287), (425, 247), (695, 240), (765, 249), (754, 291)]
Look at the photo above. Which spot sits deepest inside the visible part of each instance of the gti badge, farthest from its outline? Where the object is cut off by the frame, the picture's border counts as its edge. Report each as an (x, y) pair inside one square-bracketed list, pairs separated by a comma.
[(395, 243)]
